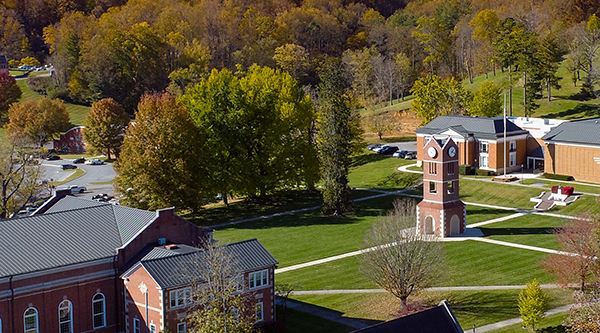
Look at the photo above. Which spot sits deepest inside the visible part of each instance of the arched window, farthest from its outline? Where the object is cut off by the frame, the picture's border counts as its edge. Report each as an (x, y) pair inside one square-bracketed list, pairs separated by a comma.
[(98, 310), (65, 317), (30, 321)]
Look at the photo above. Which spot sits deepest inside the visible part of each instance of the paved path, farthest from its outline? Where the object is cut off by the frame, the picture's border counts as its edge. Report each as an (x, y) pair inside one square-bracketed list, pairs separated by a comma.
[(404, 168), (514, 321), (326, 314), (500, 219), (458, 288)]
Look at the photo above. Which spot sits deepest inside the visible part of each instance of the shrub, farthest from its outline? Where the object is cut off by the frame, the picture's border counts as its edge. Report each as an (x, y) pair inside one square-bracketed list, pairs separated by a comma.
[(465, 169), (482, 172), (558, 177), (39, 84)]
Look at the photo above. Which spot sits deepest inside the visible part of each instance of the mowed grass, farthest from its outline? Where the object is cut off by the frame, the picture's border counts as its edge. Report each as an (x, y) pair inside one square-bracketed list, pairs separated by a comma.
[(550, 324), (476, 214), (469, 263), (470, 307), (533, 230), (497, 194), (371, 170), (547, 185)]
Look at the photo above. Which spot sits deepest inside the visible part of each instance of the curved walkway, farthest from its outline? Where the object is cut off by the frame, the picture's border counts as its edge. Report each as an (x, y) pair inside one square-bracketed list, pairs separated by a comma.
[(404, 168)]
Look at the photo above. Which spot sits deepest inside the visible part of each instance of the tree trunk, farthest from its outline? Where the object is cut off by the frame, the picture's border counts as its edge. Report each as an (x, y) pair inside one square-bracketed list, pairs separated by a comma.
[(549, 91), (404, 303), (509, 87), (494, 67), (225, 199), (108, 153), (380, 135)]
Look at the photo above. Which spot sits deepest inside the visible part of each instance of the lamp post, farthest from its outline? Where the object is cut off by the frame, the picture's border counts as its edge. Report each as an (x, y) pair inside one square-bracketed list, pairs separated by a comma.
[(522, 176)]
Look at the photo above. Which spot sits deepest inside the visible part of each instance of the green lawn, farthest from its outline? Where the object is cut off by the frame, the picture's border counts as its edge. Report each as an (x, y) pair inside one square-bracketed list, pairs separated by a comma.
[(534, 230), (470, 307), (477, 214), (301, 322), (547, 185), (497, 194), (550, 324), (470, 263), (371, 170)]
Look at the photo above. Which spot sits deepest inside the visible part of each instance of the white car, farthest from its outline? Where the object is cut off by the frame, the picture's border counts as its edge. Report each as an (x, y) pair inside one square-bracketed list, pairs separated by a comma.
[(77, 189), (379, 148), (94, 162)]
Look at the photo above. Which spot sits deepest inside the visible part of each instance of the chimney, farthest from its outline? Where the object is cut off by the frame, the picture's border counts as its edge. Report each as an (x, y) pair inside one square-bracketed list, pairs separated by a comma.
[(165, 212)]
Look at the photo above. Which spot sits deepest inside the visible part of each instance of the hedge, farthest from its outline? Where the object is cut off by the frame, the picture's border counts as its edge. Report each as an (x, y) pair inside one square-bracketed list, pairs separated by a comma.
[(465, 169), (558, 177), (482, 172)]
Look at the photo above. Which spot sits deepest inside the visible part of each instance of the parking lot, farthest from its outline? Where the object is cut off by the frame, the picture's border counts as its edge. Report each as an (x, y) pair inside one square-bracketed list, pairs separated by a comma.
[(97, 178)]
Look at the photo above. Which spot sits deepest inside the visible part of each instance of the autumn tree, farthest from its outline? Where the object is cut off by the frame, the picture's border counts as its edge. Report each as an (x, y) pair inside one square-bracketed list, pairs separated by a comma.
[(162, 157), (358, 69), (405, 73), (334, 139), (105, 126), (9, 93), (293, 59), (385, 75), (30, 61), (380, 124), (437, 42), (36, 122), (579, 241), (584, 315), (588, 41), (485, 25), (487, 101), (533, 303), (397, 258), (20, 179)]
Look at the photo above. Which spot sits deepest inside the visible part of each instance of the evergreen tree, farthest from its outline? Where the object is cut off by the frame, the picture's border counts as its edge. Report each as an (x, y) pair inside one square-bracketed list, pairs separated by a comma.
[(533, 302), (334, 139), (550, 56)]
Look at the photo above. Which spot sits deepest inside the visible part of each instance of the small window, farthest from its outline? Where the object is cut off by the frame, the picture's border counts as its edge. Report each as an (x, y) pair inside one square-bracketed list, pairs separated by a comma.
[(432, 187), (180, 297), (65, 317), (136, 325), (483, 161), (433, 168), (99, 310), (152, 328), (259, 312), (181, 328), (450, 187), (31, 321), (513, 146), (450, 168), (483, 147), (258, 279), (512, 159)]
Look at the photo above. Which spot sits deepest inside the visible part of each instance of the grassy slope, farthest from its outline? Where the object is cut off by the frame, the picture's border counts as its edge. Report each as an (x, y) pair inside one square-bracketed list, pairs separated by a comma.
[(470, 307)]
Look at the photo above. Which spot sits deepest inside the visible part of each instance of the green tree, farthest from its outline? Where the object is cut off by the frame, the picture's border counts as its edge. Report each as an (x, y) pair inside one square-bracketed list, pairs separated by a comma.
[(359, 71), (36, 122), (550, 55), (334, 139), (487, 101), (105, 126), (9, 93), (293, 59), (434, 97), (485, 25), (405, 73), (533, 302), (162, 157), (437, 42)]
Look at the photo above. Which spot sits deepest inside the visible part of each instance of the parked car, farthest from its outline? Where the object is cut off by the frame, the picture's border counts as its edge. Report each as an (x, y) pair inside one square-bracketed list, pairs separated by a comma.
[(400, 154), (68, 166), (77, 189), (79, 160), (94, 162), (389, 150), (371, 147), (411, 155), (102, 197), (377, 149), (53, 158)]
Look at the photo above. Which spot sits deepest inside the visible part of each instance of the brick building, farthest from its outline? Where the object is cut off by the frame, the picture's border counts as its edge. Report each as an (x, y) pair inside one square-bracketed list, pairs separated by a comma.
[(441, 212), (61, 267), (480, 141), (573, 149), (71, 141)]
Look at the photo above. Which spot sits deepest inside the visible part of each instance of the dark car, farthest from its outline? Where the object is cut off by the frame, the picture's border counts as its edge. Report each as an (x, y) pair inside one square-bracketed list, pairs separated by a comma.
[(68, 166), (389, 150), (53, 158), (411, 155), (371, 147), (400, 154), (79, 160)]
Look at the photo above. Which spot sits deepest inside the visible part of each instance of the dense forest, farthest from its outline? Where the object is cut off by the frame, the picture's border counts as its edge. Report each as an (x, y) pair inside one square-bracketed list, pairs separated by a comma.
[(122, 49)]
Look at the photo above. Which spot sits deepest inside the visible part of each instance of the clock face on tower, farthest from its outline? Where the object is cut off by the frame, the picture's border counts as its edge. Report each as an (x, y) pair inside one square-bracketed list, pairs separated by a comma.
[(452, 151), (432, 152)]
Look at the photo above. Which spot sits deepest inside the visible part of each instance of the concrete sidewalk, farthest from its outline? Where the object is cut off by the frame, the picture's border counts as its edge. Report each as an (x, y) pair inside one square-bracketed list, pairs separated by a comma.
[(435, 289), (514, 321)]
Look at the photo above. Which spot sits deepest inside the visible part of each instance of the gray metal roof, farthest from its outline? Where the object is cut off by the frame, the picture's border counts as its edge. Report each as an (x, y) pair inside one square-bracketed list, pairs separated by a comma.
[(177, 270), (480, 127), (71, 203), (579, 131), (68, 236)]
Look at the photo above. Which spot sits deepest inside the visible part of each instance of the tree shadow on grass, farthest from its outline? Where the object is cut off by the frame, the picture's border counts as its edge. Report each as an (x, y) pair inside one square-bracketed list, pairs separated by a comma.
[(303, 306), (366, 159), (516, 231), (578, 112), (553, 329), (482, 305)]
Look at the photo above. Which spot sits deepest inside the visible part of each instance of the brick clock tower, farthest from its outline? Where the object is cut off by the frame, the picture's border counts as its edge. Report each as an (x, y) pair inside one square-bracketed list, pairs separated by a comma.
[(441, 213)]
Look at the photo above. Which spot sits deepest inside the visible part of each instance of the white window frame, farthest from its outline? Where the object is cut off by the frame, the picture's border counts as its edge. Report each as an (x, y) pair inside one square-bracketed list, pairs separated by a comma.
[(152, 328), (483, 157), (483, 144), (263, 279), (69, 307), (512, 159), (103, 313), (136, 326), (180, 297), (259, 312), (179, 328), (36, 329), (512, 144)]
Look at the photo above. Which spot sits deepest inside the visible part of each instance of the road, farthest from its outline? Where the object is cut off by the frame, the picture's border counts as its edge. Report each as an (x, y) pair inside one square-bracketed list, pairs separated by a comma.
[(93, 174)]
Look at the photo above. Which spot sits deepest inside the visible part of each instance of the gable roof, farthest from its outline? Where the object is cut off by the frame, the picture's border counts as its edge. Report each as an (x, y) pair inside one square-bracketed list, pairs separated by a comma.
[(578, 131), (440, 319), (72, 231), (173, 270), (480, 127)]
